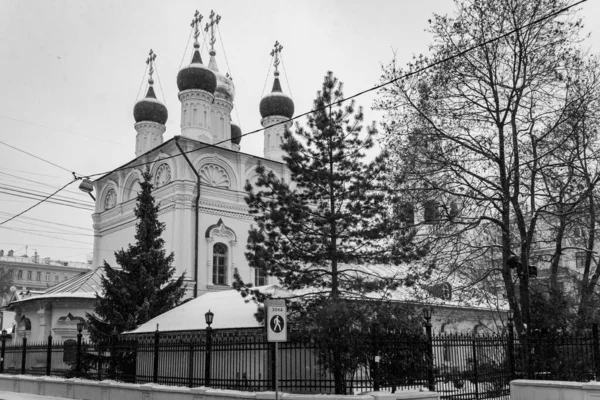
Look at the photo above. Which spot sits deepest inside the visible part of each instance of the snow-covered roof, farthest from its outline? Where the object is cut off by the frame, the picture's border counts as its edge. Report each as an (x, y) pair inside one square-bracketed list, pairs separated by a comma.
[(229, 308), (84, 286)]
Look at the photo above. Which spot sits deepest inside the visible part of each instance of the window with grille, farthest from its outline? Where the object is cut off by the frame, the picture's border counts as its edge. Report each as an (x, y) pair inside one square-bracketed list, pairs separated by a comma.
[(220, 264), (29, 275), (20, 274), (38, 276)]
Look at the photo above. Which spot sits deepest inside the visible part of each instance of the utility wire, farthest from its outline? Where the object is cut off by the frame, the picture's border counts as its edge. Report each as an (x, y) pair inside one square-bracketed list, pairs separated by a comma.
[(34, 156), (36, 204), (142, 83), (20, 179), (286, 77), (46, 221), (59, 130), (49, 201), (186, 47), (376, 87)]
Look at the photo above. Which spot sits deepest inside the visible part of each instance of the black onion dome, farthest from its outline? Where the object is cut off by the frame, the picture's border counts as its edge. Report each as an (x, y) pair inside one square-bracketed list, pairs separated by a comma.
[(236, 134), (150, 109), (277, 103), (196, 76)]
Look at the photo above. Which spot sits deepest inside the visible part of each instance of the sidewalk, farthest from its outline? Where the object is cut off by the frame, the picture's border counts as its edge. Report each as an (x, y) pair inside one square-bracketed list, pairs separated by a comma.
[(26, 396)]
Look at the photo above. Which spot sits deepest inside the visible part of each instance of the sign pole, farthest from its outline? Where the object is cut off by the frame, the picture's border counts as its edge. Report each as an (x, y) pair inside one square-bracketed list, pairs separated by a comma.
[(276, 325), (276, 372)]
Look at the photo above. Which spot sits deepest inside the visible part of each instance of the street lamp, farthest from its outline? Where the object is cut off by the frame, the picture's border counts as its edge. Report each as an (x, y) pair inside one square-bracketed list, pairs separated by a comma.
[(79, 327), (87, 186), (208, 317), (427, 314), (79, 335), (511, 315)]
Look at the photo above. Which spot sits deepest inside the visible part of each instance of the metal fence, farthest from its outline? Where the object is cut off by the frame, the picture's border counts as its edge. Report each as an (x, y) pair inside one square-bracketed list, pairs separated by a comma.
[(456, 366)]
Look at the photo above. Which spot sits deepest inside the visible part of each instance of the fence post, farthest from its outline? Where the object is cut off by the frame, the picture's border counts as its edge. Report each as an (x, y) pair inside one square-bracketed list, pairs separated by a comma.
[(375, 338), (49, 356), (24, 355), (475, 371), (511, 349), (430, 376), (156, 340), (78, 359), (3, 351), (191, 365), (207, 356), (273, 365), (596, 350), (113, 357)]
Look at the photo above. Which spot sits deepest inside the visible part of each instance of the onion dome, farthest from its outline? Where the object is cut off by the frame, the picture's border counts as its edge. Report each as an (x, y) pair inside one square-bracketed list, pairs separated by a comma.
[(196, 75), (277, 102), (150, 109), (236, 134), (225, 89)]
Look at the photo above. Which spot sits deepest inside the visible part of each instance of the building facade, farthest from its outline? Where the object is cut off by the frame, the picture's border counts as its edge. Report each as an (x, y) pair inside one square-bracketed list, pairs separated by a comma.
[(199, 176)]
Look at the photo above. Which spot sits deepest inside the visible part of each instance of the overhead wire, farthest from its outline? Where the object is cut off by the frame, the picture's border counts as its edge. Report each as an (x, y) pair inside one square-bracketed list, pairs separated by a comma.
[(34, 156), (37, 204), (46, 221), (358, 94), (376, 87), (286, 77), (230, 73)]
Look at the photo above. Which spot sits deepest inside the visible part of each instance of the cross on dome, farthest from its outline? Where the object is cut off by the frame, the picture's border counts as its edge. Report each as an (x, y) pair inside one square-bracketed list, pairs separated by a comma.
[(214, 20), (275, 53), (195, 24), (150, 61)]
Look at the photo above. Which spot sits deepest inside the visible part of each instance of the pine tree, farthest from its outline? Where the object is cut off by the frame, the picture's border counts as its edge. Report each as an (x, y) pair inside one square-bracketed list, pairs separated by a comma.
[(143, 287)]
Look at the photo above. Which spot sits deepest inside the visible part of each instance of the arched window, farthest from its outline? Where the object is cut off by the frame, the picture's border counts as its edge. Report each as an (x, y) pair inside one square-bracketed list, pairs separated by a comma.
[(404, 213), (219, 264), (260, 277), (446, 291)]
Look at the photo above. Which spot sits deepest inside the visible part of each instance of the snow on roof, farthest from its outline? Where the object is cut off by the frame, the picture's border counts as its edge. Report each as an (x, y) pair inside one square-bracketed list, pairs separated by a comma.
[(229, 308), (80, 286)]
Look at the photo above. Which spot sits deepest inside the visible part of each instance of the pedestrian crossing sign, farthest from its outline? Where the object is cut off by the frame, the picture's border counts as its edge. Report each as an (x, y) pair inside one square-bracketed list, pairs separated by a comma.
[(276, 320)]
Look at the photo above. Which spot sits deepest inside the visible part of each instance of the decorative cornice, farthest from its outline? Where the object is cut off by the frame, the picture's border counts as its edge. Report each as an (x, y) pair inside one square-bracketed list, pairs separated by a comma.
[(154, 126), (196, 94), (219, 102)]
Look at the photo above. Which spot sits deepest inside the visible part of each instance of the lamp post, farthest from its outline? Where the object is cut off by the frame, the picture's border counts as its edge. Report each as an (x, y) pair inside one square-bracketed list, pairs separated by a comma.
[(3, 337), (79, 336), (427, 311), (208, 318), (511, 343)]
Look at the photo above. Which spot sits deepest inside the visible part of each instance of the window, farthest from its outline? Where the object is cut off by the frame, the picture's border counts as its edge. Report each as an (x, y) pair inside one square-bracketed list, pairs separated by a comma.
[(431, 212), (20, 274), (580, 259), (29, 275), (38, 276), (219, 264), (446, 291), (405, 213), (56, 277), (260, 277), (64, 277), (47, 276)]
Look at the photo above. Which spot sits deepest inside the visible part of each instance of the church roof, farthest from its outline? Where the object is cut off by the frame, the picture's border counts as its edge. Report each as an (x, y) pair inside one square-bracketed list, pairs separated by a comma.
[(81, 286), (229, 308)]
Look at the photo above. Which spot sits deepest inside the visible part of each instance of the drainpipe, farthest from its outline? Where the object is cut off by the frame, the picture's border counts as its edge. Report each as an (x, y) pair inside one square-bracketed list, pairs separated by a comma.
[(197, 215)]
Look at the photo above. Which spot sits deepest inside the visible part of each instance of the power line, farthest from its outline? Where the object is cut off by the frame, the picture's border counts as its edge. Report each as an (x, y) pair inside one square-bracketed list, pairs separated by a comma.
[(46, 221), (36, 204), (33, 192), (34, 156), (20, 178), (32, 196), (376, 87), (47, 236), (59, 130)]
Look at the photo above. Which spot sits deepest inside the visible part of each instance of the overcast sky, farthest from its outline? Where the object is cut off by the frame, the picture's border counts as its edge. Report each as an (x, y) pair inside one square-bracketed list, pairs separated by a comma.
[(70, 73)]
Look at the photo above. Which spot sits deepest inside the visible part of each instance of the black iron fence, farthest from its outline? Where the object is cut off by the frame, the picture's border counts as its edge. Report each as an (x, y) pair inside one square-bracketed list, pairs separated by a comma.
[(456, 366)]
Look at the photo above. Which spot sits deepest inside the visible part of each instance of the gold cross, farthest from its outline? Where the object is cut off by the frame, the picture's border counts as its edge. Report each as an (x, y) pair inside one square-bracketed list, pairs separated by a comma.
[(275, 53), (214, 20), (195, 23)]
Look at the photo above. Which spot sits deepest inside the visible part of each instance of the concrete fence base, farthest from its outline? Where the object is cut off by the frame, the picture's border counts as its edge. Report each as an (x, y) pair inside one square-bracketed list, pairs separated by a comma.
[(110, 390), (522, 389)]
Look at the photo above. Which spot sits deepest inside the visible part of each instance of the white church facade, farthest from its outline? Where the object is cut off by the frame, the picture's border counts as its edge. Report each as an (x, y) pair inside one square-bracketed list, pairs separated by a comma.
[(199, 176)]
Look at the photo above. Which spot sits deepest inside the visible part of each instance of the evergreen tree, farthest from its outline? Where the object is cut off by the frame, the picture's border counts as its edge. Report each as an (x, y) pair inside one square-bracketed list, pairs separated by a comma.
[(143, 287), (320, 234)]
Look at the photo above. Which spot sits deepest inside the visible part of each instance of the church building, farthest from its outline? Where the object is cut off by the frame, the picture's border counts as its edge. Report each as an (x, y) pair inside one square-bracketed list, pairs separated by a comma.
[(199, 174)]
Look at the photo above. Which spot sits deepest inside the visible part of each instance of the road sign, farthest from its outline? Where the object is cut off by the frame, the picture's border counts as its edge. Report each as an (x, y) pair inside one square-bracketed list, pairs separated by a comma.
[(276, 321)]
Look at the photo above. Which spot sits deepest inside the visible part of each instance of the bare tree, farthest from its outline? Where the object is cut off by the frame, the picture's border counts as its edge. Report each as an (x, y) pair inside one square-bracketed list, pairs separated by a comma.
[(498, 145)]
